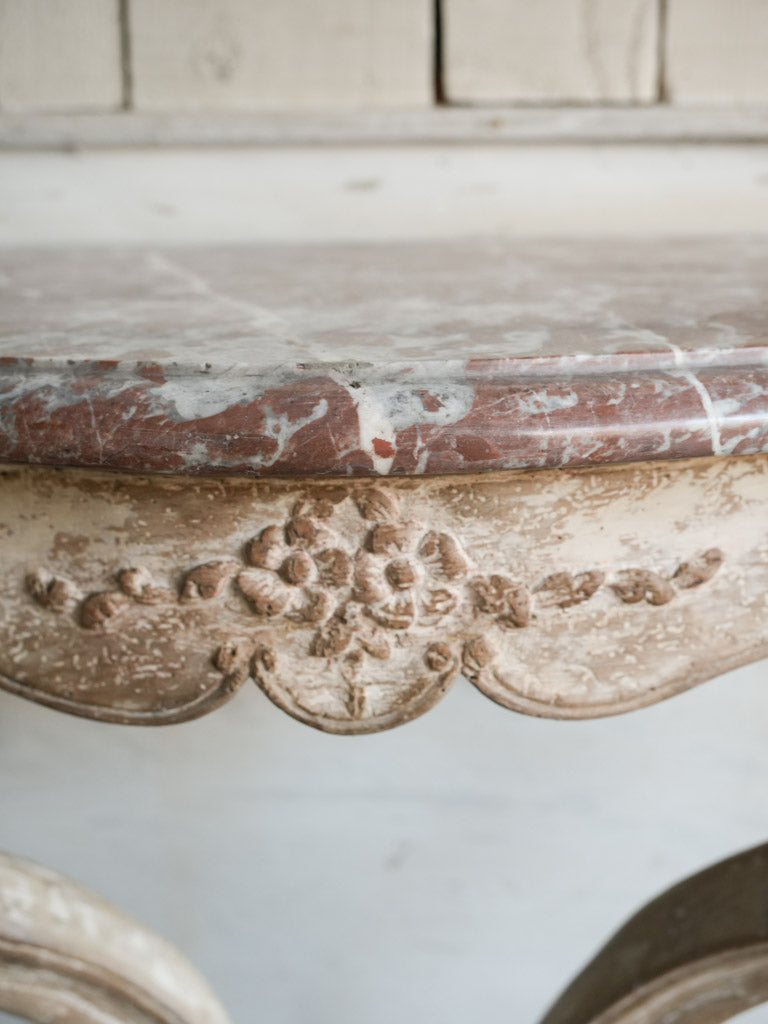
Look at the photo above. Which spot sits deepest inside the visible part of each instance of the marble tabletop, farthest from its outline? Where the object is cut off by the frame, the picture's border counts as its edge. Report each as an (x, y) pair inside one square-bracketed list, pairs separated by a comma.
[(387, 359)]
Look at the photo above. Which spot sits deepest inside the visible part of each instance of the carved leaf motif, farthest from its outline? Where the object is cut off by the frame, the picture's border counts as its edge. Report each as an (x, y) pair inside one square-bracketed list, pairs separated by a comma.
[(376, 505), (699, 569), (51, 591), (99, 609), (263, 661), (334, 638), (301, 531), (400, 574), (476, 654), (369, 585), (436, 604), (395, 613), (390, 539), (334, 567), (442, 554), (439, 657), (233, 658), (267, 550), (346, 627), (321, 505), (316, 607), (207, 581), (635, 585), (298, 568), (375, 644), (356, 699), (565, 589), (507, 601), (138, 584), (265, 593)]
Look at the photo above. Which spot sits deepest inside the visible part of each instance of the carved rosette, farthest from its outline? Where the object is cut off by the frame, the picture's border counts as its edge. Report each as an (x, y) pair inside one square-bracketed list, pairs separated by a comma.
[(357, 593), (354, 606)]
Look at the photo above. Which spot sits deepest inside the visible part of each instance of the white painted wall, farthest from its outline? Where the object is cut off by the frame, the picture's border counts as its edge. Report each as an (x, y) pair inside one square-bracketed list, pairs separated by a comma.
[(458, 868)]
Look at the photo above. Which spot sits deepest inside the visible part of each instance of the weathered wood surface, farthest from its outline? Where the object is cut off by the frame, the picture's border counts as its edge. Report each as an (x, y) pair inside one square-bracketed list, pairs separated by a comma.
[(239, 55), (355, 604), (67, 956), (553, 51), (698, 954), (60, 55), (715, 52)]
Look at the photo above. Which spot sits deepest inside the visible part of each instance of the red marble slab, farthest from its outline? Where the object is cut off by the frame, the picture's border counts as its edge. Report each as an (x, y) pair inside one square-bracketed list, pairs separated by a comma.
[(386, 359)]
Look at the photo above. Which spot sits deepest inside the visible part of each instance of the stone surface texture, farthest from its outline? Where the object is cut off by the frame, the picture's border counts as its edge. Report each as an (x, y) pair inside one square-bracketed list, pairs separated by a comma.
[(383, 359), (67, 956), (355, 604), (271, 55), (59, 55), (553, 51)]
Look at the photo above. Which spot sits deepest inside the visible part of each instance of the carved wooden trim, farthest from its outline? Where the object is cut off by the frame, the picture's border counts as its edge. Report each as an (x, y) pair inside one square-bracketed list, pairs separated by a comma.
[(68, 956), (355, 604), (698, 954)]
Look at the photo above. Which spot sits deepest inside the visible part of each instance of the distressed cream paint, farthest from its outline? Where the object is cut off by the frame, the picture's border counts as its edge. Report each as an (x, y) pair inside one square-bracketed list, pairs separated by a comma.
[(355, 604)]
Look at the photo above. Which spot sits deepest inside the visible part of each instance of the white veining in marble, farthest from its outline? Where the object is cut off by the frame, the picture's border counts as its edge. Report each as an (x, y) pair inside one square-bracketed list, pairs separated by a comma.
[(284, 305)]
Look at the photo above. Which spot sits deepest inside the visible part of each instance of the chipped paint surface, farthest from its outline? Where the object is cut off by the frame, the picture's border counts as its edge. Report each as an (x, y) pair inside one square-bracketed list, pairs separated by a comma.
[(383, 360), (355, 604)]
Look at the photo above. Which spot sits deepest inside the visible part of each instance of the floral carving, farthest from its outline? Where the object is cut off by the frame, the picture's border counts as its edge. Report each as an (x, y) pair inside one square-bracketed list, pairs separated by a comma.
[(293, 567), (355, 593), (351, 615), (401, 578)]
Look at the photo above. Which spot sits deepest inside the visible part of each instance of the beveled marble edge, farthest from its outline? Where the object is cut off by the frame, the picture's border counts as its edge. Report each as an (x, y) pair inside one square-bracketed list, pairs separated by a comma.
[(355, 419)]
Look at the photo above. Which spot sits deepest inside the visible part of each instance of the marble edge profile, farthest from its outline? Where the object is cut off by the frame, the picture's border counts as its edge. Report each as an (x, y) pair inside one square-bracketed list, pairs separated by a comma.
[(364, 419)]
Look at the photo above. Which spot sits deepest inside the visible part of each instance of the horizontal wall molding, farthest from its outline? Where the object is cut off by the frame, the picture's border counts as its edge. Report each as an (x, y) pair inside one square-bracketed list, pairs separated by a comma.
[(366, 193), (529, 126)]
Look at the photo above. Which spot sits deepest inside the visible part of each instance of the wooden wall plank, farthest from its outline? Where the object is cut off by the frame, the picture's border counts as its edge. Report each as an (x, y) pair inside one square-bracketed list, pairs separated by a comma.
[(717, 51), (60, 55), (280, 54), (551, 51)]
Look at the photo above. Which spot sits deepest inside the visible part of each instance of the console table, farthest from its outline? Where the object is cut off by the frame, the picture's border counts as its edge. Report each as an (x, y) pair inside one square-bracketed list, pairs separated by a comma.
[(351, 474)]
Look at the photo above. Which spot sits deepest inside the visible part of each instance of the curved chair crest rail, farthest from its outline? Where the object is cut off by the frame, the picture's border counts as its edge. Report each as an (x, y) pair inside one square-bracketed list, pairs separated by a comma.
[(68, 956), (697, 954)]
